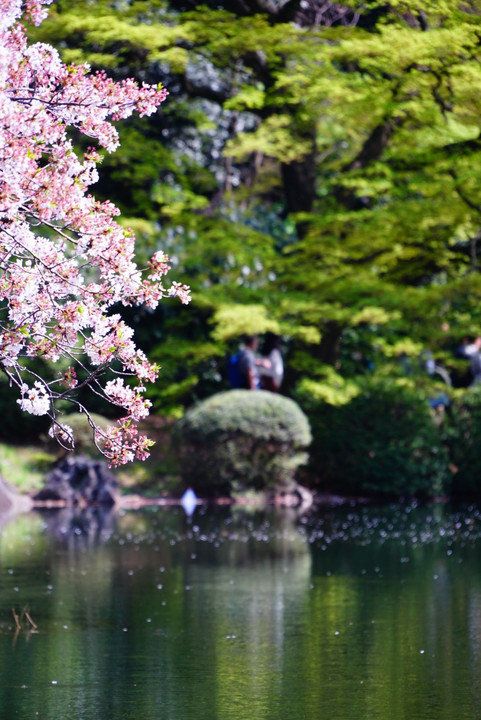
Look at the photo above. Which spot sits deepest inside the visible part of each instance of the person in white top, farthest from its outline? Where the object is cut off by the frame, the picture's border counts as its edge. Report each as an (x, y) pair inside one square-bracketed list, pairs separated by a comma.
[(271, 373)]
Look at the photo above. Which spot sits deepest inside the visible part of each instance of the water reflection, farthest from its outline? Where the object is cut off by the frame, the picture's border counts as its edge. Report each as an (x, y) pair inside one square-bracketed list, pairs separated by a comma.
[(80, 525), (347, 613)]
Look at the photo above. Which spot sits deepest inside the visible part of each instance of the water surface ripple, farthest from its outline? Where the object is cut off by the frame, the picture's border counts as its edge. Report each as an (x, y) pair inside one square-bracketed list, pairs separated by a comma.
[(348, 613)]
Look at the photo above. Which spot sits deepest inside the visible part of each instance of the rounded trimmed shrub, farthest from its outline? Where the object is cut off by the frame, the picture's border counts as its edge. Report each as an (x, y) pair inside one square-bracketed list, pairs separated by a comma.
[(241, 440)]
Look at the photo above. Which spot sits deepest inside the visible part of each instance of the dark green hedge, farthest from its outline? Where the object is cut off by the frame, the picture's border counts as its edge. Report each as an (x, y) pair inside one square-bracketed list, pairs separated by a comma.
[(462, 437), (384, 441)]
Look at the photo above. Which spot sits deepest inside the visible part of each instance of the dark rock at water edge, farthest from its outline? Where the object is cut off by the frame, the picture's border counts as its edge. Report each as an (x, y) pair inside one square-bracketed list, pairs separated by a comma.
[(78, 480)]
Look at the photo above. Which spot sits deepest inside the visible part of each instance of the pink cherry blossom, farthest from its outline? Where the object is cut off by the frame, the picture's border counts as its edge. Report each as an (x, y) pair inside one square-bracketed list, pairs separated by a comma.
[(64, 258)]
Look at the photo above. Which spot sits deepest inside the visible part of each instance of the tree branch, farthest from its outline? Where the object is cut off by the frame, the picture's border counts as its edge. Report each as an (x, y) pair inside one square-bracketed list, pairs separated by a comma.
[(470, 203)]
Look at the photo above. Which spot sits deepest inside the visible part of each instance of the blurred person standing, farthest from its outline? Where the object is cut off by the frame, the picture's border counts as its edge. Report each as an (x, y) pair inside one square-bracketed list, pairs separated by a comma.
[(271, 370)]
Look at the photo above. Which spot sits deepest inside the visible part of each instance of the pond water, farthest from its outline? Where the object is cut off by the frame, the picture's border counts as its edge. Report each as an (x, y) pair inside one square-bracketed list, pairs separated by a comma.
[(344, 614)]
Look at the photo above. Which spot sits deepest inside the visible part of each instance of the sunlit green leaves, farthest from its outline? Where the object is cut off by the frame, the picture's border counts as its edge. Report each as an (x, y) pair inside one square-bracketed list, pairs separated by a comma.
[(381, 121)]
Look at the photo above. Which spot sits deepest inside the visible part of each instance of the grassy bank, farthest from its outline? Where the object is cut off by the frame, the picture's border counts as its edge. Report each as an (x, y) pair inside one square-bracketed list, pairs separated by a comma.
[(25, 466)]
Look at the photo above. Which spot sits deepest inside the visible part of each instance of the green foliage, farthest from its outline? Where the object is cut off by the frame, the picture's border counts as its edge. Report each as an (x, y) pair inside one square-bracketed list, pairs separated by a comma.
[(274, 137), (190, 369), (242, 440), (383, 442), (233, 321), (332, 389)]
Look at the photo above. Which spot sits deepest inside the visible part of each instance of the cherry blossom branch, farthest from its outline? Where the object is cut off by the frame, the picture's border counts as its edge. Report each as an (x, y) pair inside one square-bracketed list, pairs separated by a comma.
[(56, 292)]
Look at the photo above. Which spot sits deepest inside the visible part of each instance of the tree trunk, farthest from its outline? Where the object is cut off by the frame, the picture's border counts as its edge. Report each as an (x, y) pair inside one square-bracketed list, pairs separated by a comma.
[(299, 184), (328, 350)]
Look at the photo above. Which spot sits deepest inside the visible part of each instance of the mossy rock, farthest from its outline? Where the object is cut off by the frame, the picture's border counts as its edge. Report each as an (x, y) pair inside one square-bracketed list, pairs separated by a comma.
[(242, 440)]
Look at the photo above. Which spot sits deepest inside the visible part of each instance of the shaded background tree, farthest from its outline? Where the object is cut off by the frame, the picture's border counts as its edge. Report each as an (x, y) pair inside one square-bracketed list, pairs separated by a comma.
[(315, 162)]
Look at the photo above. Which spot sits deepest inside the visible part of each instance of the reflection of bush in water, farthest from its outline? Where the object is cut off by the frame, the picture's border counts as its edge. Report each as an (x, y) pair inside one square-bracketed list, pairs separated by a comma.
[(246, 539), (265, 559), (242, 440), (291, 575), (87, 526)]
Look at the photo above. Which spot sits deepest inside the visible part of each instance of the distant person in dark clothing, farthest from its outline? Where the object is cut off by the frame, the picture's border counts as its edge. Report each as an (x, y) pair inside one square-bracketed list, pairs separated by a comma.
[(243, 369), (474, 355), (467, 348), (471, 350), (271, 372)]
